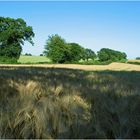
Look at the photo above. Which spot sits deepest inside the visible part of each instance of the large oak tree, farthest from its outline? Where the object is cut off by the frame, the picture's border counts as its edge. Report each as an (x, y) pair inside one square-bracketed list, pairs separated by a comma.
[(13, 34)]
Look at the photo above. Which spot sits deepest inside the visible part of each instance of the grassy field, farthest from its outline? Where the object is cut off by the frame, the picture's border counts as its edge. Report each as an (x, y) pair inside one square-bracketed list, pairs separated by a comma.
[(64, 103), (43, 60), (33, 59)]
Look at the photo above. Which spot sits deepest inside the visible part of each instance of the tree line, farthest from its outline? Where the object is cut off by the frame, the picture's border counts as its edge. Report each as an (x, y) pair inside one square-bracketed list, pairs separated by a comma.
[(14, 32), (59, 51)]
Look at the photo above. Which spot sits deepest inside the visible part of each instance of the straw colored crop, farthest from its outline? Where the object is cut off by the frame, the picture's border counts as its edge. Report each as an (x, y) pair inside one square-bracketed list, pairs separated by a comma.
[(64, 103)]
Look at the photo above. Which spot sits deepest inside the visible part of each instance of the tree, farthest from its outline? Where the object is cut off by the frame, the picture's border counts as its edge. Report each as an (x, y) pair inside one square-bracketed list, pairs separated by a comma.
[(103, 55), (56, 49), (13, 33), (106, 54), (59, 51), (89, 54), (41, 54), (75, 52), (28, 54)]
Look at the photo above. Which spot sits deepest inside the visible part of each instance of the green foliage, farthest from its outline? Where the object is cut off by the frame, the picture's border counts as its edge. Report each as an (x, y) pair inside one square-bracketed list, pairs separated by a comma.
[(28, 54), (13, 33), (59, 51), (75, 52), (55, 49), (106, 54), (41, 55), (137, 58), (7, 60), (88, 54), (136, 63)]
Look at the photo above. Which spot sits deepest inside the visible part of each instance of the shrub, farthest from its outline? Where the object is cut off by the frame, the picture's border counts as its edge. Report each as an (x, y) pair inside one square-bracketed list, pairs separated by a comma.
[(8, 60)]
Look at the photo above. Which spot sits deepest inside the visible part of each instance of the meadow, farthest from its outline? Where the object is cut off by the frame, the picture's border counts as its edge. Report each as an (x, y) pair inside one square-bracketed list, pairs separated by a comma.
[(44, 60), (58, 102), (33, 59)]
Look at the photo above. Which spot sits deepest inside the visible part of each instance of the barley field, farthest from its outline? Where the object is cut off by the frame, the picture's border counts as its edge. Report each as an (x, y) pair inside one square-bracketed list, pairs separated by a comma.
[(132, 60), (43, 102), (137, 62), (113, 66)]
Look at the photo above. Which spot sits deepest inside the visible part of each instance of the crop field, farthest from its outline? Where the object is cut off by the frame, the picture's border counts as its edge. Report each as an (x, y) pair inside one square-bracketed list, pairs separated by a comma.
[(113, 66), (137, 62), (131, 60), (59, 102)]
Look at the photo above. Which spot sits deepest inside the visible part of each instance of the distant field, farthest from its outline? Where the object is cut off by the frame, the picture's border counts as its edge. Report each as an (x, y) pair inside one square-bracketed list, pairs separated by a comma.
[(137, 62), (33, 59), (131, 60), (43, 60), (113, 66)]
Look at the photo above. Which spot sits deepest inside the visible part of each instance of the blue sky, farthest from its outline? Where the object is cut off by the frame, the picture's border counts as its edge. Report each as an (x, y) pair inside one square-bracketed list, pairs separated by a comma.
[(92, 24)]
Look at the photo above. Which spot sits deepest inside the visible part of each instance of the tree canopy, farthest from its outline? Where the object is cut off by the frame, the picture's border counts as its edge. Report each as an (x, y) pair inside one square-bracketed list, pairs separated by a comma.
[(75, 52), (13, 33), (106, 54), (55, 48), (89, 54), (59, 51)]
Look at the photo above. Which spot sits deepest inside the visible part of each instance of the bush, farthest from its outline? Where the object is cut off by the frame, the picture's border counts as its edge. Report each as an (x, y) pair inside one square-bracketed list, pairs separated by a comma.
[(8, 60)]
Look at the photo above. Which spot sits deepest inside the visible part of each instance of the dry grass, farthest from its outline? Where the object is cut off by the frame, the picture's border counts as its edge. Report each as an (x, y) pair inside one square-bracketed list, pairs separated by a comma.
[(136, 62), (132, 60), (64, 103), (113, 66)]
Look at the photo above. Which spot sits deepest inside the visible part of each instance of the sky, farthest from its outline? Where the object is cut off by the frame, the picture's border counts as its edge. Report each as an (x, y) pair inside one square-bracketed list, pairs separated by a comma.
[(92, 24)]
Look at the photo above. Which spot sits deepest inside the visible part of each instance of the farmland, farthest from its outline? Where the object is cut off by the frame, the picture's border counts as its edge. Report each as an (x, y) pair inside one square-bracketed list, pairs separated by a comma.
[(65, 101), (65, 71), (113, 66), (137, 62), (33, 59)]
